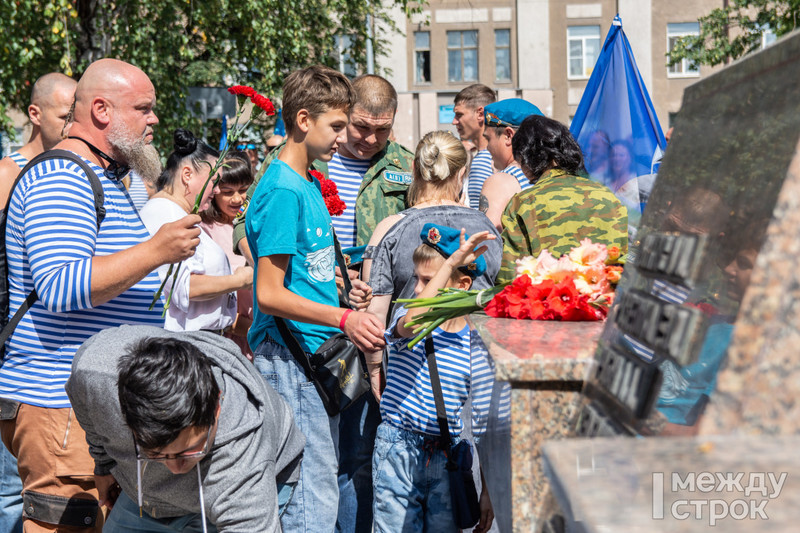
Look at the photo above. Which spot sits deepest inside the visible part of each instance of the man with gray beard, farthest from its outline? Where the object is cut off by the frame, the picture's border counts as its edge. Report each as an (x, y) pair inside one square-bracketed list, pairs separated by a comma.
[(88, 273)]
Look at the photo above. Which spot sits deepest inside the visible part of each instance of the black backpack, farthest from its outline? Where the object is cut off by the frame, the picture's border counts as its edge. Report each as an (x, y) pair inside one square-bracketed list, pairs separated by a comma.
[(99, 198)]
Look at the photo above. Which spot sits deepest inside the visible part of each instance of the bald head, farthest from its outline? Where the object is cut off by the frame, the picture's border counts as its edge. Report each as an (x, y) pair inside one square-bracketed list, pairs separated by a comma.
[(51, 99), (110, 79), (53, 85), (114, 105)]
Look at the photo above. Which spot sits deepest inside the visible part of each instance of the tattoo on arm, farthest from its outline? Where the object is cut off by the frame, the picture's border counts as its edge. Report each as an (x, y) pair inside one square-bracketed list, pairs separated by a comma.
[(483, 204)]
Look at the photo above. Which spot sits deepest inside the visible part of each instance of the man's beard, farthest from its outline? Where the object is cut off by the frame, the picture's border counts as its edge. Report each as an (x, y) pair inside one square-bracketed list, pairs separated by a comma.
[(142, 157)]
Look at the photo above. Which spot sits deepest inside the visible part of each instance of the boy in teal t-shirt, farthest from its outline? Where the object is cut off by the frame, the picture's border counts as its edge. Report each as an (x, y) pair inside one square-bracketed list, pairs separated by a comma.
[(290, 235), (287, 215)]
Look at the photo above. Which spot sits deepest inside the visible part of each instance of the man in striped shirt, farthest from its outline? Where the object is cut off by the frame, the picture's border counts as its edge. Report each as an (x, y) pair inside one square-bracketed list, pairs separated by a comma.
[(502, 119), (87, 278), (469, 106), (51, 99)]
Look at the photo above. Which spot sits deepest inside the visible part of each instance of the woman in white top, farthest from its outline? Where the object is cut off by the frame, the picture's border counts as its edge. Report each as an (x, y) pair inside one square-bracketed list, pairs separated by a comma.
[(204, 295)]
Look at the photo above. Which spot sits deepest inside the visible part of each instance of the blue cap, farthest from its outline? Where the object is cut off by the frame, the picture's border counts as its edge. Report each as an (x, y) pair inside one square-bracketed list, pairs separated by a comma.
[(354, 255), (446, 240), (510, 112)]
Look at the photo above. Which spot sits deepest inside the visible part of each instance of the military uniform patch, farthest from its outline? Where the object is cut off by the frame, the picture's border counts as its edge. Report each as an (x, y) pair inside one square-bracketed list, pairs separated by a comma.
[(401, 178), (242, 210)]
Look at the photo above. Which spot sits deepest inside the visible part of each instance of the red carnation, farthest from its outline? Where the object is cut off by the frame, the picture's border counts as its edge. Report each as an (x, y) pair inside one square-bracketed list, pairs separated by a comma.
[(264, 103), (335, 206), (242, 90), (328, 188), (317, 174)]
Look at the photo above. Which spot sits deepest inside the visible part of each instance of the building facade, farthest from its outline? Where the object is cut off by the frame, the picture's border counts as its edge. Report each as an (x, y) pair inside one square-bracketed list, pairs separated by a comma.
[(539, 50)]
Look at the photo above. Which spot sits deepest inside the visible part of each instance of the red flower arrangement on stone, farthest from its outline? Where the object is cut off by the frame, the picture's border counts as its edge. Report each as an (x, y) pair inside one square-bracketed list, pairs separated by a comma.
[(330, 193), (578, 286)]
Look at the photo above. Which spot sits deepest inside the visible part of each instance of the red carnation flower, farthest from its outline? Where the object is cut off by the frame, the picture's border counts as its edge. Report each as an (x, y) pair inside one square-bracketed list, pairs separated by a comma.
[(335, 206), (328, 188), (317, 174), (264, 103), (242, 90)]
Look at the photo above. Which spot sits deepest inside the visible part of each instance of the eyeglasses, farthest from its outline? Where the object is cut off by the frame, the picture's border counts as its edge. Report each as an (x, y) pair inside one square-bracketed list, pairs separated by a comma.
[(245, 146), (146, 456)]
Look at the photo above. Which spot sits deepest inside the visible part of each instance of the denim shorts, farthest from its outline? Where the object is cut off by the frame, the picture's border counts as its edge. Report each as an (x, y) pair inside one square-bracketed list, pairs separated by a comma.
[(315, 501), (412, 489)]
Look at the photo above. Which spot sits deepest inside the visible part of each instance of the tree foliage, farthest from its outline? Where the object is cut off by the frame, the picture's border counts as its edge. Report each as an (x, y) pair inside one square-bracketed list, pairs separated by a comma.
[(179, 44), (734, 30)]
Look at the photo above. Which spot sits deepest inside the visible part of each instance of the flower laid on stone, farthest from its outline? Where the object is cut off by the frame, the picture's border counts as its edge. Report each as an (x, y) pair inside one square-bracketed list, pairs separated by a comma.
[(330, 193), (577, 286), (234, 132)]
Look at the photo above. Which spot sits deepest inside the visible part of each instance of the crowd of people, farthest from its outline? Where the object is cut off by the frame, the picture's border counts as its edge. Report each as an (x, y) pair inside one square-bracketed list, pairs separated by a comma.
[(124, 410)]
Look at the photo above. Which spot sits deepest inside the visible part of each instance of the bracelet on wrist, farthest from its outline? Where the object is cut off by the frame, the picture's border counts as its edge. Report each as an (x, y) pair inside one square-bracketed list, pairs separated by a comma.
[(344, 318)]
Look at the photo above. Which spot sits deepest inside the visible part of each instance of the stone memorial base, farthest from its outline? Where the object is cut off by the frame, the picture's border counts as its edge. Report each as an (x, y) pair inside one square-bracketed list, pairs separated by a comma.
[(545, 362)]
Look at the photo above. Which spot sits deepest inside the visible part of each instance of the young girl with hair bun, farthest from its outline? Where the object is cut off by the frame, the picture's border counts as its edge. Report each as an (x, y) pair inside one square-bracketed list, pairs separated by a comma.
[(204, 294), (237, 176)]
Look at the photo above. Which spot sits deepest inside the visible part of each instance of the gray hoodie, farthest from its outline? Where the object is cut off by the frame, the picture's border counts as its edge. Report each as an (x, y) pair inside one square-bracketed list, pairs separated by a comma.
[(257, 443)]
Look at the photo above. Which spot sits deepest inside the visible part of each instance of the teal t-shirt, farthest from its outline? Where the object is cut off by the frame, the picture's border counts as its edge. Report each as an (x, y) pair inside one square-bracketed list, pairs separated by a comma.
[(287, 215)]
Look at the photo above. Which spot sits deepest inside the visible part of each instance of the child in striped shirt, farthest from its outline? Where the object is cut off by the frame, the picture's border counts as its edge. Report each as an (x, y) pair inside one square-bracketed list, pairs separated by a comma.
[(410, 481)]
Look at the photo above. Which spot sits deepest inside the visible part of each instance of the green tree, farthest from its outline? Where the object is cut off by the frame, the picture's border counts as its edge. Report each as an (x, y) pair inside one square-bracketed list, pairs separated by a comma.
[(736, 29), (179, 44)]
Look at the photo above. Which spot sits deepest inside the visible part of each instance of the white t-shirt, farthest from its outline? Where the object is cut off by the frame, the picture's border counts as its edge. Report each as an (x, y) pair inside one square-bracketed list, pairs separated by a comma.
[(209, 259)]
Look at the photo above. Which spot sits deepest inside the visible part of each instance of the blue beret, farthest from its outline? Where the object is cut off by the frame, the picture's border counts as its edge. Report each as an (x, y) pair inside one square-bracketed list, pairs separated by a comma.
[(354, 255), (510, 112), (446, 240)]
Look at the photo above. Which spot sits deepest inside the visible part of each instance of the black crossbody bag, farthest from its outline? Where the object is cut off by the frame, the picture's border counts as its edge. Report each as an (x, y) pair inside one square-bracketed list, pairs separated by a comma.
[(338, 369), (464, 496)]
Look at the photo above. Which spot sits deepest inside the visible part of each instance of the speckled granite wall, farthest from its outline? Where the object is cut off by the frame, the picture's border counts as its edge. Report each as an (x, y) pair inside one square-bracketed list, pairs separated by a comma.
[(546, 363), (758, 391)]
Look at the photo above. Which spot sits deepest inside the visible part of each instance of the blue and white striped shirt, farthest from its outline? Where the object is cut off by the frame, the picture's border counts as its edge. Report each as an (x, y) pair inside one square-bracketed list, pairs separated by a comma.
[(18, 159), (138, 191), (408, 402), (347, 174), (515, 171), (480, 169), (52, 237)]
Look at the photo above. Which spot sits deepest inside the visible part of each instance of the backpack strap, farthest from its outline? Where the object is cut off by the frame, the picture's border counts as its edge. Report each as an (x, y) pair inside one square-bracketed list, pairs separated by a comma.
[(100, 211), (94, 181), (445, 440)]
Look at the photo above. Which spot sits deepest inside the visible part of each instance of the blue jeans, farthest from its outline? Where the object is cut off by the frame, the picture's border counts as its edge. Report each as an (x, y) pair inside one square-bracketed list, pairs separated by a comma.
[(10, 493), (412, 489), (316, 497), (124, 517), (357, 428)]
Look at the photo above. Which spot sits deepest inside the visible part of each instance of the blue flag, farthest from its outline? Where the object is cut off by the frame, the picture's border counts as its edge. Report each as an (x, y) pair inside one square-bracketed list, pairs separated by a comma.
[(617, 127), (224, 139), (280, 127)]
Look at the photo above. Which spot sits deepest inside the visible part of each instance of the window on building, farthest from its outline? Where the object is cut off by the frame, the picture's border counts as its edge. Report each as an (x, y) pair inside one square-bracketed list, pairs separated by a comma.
[(462, 55), (422, 56), (347, 65), (684, 68), (502, 55), (583, 49)]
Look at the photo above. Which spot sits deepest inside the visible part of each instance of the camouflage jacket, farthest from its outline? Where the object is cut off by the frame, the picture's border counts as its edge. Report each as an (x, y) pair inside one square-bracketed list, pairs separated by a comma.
[(382, 192), (555, 214)]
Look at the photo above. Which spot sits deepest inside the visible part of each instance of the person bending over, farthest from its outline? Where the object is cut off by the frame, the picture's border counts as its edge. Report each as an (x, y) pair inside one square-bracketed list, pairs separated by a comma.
[(185, 433)]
